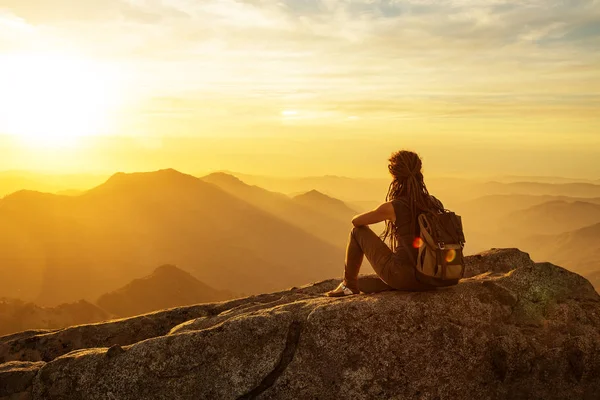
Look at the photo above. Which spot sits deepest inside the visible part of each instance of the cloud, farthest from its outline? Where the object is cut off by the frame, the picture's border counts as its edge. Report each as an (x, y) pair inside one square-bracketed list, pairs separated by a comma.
[(410, 57), (13, 30), (62, 11)]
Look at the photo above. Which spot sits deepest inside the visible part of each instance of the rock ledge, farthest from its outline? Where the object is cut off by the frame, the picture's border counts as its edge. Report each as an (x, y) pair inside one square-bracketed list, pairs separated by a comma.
[(513, 330)]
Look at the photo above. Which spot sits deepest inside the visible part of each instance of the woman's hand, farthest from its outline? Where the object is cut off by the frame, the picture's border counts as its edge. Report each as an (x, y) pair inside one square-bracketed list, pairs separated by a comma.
[(381, 213)]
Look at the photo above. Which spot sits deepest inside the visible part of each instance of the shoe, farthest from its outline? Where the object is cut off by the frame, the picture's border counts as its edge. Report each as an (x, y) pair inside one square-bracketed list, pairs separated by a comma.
[(341, 290)]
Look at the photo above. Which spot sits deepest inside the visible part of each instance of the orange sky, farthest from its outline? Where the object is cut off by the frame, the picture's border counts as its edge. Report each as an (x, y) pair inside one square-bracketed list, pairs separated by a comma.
[(300, 87)]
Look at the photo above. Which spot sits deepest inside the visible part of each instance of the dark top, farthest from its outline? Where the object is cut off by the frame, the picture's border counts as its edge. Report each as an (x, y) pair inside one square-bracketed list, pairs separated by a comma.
[(403, 232)]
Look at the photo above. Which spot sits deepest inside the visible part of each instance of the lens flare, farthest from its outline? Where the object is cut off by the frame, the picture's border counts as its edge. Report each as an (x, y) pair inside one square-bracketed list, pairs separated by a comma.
[(450, 255), (417, 243)]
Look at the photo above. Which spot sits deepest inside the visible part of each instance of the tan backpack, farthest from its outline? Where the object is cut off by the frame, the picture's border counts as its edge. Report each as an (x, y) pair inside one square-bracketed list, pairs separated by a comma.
[(440, 260)]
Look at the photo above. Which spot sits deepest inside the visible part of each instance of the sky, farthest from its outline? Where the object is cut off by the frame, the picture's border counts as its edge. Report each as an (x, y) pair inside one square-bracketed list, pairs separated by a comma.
[(301, 87)]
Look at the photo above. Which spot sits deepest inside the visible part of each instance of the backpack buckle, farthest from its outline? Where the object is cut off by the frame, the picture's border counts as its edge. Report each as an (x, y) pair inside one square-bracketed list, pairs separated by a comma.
[(441, 245)]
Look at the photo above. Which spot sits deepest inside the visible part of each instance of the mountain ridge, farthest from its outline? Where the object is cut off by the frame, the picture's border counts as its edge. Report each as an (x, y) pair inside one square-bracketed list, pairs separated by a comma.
[(578, 250), (17, 315), (166, 287), (330, 224), (553, 217), (119, 229)]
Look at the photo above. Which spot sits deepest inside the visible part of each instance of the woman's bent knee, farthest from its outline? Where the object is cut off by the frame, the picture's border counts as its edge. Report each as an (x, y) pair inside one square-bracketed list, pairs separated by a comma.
[(360, 228)]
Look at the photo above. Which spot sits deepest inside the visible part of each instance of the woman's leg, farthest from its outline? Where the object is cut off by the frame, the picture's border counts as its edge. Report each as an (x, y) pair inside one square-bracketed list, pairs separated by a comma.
[(372, 284), (364, 242)]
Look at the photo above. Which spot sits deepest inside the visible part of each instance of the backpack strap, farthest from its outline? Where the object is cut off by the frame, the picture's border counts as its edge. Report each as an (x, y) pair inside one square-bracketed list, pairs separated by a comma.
[(413, 259), (410, 253)]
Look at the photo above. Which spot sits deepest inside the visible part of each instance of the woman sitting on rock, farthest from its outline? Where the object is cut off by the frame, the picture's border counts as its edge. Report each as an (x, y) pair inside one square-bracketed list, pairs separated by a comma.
[(407, 197)]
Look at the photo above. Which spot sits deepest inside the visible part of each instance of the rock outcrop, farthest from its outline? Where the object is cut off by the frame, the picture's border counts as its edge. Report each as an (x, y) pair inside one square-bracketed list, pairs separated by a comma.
[(16, 379), (496, 261), (517, 330)]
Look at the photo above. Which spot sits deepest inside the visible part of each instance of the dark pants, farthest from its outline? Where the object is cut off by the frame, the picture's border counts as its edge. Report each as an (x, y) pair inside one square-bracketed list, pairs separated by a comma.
[(392, 273)]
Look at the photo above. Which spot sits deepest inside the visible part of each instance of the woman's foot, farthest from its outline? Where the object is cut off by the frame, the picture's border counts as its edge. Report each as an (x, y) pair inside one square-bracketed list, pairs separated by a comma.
[(342, 290)]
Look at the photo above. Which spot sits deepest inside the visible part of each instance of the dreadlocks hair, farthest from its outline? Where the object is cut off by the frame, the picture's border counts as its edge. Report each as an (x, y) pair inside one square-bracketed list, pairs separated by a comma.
[(408, 184)]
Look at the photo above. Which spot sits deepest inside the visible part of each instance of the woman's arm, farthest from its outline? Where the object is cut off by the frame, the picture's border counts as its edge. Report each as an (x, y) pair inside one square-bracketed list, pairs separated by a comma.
[(381, 213)]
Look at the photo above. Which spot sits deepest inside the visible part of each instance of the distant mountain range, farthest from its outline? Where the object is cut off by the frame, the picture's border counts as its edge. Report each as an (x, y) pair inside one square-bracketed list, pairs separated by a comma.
[(17, 315), (316, 213), (537, 188), (578, 250), (452, 191), (243, 234), (340, 187), (551, 218), (542, 179), (504, 220), (503, 204), (166, 287), (326, 205), (57, 249)]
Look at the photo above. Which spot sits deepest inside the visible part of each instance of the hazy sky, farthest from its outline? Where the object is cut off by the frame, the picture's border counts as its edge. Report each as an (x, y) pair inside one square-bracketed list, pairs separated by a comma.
[(301, 87)]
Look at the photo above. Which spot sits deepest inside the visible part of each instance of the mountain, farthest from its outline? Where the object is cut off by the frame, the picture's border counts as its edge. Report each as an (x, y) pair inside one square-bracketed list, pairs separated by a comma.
[(354, 190), (485, 218), (540, 179), (322, 216), (461, 195), (450, 190), (340, 187), (500, 205), (537, 188), (553, 217), (514, 329), (56, 249), (17, 315), (578, 250), (324, 204), (167, 287)]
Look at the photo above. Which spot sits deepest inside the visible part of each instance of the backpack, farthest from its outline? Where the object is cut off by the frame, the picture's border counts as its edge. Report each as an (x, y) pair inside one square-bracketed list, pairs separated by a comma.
[(440, 260)]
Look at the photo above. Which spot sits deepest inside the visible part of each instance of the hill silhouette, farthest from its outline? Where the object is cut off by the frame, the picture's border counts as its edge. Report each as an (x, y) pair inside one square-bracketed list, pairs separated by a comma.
[(166, 287), (500, 205), (500, 220), (17, 315), (541, 179), (578, 250), (540, 188), (451, 189), (328, 220), (62, 248), (327, 205), (58, 249), (553, 217), (340, 187)]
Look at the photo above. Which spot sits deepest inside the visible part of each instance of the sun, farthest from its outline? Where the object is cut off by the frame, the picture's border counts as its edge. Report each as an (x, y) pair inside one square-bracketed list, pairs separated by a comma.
[(53, 100)]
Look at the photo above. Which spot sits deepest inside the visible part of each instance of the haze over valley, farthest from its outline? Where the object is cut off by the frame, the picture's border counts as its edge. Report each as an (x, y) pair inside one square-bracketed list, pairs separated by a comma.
[(230, 237)]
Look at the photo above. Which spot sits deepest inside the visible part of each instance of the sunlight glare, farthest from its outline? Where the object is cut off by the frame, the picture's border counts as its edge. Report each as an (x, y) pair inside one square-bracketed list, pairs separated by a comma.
[(418, 242), (450, 255), (52, 100)]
